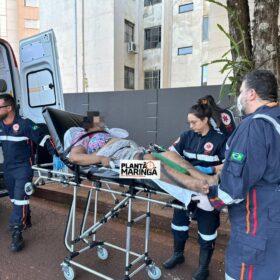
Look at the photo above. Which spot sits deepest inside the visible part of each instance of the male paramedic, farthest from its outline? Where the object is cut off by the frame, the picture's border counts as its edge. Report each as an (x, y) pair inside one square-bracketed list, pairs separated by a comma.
[(17, 135), (250, 183)]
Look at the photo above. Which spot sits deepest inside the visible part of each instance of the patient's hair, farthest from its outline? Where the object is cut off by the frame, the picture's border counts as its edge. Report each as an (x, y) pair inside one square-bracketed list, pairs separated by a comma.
[(201, 111)]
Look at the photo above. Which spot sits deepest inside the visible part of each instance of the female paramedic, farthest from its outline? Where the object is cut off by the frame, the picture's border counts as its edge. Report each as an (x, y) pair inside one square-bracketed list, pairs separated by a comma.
[(201, 146)]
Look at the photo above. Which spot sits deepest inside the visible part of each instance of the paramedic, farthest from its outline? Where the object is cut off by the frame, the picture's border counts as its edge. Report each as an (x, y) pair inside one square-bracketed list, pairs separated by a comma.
[(202, 146), (250, 183), (222, 119), (17, 135)]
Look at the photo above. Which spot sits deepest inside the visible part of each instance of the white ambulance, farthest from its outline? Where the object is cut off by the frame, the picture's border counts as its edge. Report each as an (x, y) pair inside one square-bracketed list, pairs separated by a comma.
[(36, 84)]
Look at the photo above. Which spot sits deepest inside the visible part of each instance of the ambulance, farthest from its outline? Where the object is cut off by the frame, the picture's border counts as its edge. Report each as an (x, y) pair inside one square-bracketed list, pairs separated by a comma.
[(34, 83)]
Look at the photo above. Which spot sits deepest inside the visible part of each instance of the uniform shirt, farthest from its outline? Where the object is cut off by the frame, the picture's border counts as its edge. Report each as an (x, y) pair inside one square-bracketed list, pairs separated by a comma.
[(227, 124), (207, 150), (17, 141), (252, 159)]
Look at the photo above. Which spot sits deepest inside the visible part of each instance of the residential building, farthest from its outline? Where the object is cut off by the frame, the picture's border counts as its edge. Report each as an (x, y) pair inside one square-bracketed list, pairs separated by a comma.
[(116, 45), (18, 19)]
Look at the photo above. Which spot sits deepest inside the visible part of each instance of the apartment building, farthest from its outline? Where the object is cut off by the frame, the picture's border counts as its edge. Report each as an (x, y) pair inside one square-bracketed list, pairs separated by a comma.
[(136, 44), (18, 19)]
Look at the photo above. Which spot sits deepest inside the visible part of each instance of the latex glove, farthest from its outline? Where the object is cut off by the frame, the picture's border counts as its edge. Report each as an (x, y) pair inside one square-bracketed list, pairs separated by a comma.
[(203, 202), (205, 170), (57, 163)]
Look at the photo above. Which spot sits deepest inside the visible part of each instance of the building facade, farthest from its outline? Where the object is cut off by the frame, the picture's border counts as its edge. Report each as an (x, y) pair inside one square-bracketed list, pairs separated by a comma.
[(18, 19), (116, 45)]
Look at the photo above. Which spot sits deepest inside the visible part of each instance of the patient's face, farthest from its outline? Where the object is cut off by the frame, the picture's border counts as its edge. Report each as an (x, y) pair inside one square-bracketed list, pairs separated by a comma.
[(97, 123)]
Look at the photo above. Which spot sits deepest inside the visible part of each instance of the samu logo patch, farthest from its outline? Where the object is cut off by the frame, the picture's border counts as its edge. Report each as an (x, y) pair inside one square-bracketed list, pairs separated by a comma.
[(237, 156)]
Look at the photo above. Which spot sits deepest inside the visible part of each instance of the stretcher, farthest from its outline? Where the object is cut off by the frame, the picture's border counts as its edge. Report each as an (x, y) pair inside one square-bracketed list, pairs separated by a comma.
[(81, 238)]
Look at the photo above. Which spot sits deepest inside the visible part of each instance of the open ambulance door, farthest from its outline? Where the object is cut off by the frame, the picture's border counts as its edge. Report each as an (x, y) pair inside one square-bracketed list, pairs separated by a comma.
[(39, 75)]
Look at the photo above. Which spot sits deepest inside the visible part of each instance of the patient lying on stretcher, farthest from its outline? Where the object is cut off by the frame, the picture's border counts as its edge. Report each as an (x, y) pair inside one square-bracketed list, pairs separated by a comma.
[(95, 145)]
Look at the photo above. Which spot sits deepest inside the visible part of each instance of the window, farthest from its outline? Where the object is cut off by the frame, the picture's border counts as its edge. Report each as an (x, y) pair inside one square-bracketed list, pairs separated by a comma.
[(152, 37), (185, 8), (204, 75), (128, 77), (151, 2), (152, 79), (129, 31), (32, 23), (31, 3), (205, 24), (185, 50)]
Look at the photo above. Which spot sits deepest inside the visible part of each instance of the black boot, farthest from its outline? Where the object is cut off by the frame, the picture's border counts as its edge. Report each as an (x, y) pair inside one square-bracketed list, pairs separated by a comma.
[(204, 260), (178, 255), (17, 240)]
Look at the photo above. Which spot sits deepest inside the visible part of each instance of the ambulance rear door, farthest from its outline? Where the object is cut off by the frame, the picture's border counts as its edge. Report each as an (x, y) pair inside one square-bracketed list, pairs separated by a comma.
[(39, 75)]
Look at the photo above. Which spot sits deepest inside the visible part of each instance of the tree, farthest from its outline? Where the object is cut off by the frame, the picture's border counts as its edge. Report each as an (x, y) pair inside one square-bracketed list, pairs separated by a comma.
[(255, 43)]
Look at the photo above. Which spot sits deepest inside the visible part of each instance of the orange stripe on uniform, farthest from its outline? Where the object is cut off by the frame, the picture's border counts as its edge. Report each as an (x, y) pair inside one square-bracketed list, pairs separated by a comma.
[(242, 271), (214, 199), (255, 212), (248, 213)]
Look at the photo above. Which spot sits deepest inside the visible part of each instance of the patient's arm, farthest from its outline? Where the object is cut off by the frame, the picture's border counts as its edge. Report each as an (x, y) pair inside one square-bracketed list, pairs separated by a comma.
[(78, 155), (173, 176), (173, 156)]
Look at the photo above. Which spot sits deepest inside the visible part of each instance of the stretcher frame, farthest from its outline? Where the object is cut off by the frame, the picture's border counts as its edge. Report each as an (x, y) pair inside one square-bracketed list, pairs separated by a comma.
[(128, 194), (123, 196)]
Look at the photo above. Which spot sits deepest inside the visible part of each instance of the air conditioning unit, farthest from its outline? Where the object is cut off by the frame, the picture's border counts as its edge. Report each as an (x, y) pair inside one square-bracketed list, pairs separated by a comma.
[(131, 47)]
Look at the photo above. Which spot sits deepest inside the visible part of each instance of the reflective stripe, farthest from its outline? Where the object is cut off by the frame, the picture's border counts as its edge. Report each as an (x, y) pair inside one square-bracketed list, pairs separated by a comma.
[(179, 228), (21, 202), (226, 198), (43, 141), (13, 138), (227, 277), (270, 119), (208, 237), (172, 148), (12, 200), (201, 157)]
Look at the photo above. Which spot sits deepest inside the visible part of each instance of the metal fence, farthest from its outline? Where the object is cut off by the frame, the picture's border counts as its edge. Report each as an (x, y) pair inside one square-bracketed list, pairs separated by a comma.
[(150, 116)]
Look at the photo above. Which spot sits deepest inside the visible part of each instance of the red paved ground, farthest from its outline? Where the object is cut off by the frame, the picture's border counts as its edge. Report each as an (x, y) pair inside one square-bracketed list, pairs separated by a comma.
[(45, 250)]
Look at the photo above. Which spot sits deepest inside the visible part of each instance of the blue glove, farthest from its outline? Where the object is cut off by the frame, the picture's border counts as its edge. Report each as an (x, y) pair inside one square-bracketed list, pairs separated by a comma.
[(57, 163), (206, 170)]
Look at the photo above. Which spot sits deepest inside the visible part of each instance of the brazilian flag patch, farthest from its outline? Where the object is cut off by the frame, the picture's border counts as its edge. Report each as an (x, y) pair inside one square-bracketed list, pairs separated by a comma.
[(237, 156), (35, 127)]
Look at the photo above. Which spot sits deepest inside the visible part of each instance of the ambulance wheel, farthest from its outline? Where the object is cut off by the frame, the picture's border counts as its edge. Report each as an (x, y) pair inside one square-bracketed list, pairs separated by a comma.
[(154, 272), (102, 253), (68, 272)]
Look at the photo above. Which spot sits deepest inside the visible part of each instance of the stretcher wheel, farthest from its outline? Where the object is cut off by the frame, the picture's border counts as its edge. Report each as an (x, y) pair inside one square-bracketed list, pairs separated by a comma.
[(68, 272), (102, 253), (29, 188), (154, 272)]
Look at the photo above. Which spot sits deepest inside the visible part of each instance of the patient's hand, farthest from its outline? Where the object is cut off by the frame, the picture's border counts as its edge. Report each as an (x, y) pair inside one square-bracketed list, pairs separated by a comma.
[(201, 186), (105, 161)]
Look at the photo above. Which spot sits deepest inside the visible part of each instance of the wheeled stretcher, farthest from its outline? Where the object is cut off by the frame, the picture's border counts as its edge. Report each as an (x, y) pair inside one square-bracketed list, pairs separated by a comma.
[(124, 192)]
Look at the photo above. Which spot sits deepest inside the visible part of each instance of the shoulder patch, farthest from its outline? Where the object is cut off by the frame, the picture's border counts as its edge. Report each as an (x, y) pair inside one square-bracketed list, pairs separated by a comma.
[(35, 127), (237, 156)]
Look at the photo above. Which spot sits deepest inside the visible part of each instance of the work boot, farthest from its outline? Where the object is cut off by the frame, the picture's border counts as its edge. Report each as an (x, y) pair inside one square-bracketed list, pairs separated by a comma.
[(204, 260), (17, 240), (178, 255)]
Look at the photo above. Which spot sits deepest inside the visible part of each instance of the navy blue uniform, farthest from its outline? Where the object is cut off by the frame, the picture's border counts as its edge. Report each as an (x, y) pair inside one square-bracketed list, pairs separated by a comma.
[(17, 145), (250, 186), (205, 151), (227, 123)]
